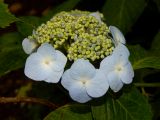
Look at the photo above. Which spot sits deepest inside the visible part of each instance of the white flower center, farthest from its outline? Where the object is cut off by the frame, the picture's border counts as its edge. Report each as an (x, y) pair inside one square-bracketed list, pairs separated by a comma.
[(119, 68), (83, 81), (47, 62)]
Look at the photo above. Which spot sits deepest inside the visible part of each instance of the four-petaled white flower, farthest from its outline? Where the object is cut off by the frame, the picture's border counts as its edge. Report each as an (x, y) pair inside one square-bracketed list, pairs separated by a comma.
[(83, 81), (47, 64), (117, 69), (29, 45), (117, 35)]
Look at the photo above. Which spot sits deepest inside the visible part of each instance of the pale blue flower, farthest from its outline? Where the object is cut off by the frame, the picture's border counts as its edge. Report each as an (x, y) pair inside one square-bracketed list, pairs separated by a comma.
[(117, 35), (47, 64), (29, 45), (84, 82), (118, 70)]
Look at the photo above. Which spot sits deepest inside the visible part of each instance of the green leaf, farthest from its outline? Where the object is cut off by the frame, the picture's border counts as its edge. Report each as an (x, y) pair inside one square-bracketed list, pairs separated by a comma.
[(140, 58), (130, 106), (157, 3), (147, 62), (6, 18), (12, 56), (27, 24), (71, 112), (123, 13), (155, 48)]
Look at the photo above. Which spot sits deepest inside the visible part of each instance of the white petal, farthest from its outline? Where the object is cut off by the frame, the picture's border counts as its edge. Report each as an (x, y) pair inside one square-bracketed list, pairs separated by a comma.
[(117, 35), (57, 58), (96, 15), (61, 59), (79, 93), (34, 68), (107, 64), (46, 49), (127, 74), (67, 80), (114, 81), (97, 86), (82, 69), (121, 50), (54, 77), (29, 45)]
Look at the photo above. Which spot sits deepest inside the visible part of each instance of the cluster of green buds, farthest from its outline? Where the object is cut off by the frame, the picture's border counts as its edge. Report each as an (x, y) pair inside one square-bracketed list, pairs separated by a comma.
[(82, 35)]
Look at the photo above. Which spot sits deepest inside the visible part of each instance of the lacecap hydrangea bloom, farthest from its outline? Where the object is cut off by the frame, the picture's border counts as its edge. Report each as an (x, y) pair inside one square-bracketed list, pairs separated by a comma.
[(46, 64), (81, 39), (84, 81)]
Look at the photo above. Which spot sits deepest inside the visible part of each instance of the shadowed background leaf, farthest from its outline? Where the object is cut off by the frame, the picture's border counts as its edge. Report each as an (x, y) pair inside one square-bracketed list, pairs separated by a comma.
[(130, 106), (12, 56), (123, 13), (27, 24), (155, 48), (70, 112), (141, 58), (6, 18)]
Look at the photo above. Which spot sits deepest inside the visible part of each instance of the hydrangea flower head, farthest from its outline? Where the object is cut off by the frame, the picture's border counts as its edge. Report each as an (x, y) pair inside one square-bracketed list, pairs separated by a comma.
[(84, 82), (84, 37), (46, 64)]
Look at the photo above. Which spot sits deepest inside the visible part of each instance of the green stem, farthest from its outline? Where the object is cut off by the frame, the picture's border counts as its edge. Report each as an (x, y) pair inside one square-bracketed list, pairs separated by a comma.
[(5, 100), (147, 84)]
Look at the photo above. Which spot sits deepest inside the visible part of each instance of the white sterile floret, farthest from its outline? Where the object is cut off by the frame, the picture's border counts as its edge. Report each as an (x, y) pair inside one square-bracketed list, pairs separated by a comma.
[(96, 15), (118, 70), (29, 45), (117, 35), (83, 81), (47, 64), (122, 50)]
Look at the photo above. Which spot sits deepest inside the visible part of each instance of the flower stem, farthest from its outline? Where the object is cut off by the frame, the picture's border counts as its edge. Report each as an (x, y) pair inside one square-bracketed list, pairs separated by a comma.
[(147, 84), (5, 100)]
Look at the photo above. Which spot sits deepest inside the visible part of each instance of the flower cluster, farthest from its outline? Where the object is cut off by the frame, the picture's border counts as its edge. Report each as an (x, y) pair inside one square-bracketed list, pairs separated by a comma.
[(84, 37), (81, 34)]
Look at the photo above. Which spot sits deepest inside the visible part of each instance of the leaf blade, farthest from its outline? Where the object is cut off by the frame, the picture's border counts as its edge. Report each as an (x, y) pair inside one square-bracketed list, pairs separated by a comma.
[(6, 18), (141, 58), (123, 13), (12, 56), (130, 106), (70, 112)]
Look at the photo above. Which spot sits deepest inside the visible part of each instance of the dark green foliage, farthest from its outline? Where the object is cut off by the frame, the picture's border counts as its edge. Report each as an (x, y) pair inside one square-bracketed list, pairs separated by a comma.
[(12, 56), (129, 106), (5, 16), (123, 13)]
